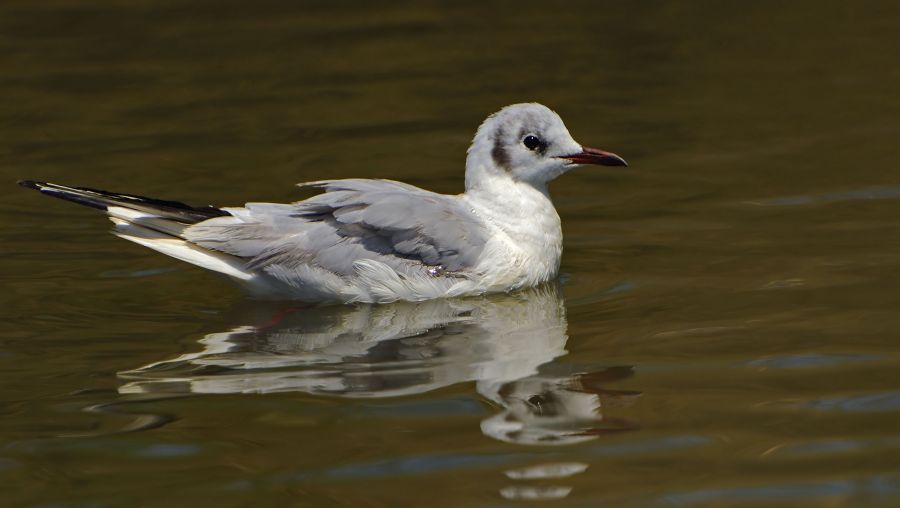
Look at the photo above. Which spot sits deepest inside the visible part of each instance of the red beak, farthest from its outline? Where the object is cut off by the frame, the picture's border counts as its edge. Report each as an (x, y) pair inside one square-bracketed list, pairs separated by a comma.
[(595, 156)]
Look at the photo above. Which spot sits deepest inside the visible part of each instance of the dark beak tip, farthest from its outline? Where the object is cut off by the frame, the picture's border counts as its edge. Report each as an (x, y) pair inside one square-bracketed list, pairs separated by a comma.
[(620, 162), (606, 158), (615, 160)]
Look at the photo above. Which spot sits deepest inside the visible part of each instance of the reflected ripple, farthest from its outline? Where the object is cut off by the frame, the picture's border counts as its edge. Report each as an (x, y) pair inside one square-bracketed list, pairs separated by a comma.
[(505, 344)]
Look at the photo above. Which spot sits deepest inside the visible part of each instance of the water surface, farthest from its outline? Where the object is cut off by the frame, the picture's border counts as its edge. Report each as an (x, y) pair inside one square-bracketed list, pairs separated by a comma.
[(724, 333)]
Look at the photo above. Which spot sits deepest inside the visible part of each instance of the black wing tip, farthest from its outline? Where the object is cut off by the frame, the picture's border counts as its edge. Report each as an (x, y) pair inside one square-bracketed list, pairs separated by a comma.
[(31, 184), (101, 200), (62, 192)]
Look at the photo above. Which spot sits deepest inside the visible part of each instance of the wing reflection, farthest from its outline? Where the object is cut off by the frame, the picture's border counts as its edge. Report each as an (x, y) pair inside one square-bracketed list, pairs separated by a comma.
[(404, 349)]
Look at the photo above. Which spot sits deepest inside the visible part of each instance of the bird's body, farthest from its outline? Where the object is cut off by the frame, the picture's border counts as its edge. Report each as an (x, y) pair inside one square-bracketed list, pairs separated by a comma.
[(369, 240)]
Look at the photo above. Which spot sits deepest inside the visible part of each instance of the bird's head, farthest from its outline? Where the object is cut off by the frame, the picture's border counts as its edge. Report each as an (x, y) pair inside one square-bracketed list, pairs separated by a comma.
[(528, 143)]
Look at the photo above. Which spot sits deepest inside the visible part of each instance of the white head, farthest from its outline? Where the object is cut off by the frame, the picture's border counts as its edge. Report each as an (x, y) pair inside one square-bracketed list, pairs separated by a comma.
[(527, 143)]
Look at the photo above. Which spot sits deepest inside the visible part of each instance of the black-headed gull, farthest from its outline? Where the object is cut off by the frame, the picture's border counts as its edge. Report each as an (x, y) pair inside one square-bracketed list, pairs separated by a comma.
[(370, 240)]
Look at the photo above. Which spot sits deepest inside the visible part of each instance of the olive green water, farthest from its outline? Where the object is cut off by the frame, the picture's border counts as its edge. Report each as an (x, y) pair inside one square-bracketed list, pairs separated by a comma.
[(726, 329)]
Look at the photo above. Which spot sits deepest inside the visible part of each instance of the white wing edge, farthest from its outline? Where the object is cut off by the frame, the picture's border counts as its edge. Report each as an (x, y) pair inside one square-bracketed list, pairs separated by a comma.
[(176, 247)]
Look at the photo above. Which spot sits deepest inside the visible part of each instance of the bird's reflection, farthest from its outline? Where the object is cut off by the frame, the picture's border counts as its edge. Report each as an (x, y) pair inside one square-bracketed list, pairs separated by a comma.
[(505, 344)]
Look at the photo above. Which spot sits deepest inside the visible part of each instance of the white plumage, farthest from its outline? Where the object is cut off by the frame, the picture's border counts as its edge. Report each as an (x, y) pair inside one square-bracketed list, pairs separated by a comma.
[(370, 240)]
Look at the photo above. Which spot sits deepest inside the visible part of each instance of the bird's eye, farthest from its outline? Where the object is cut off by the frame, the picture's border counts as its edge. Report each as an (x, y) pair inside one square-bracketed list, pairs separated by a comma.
[(532, 142)]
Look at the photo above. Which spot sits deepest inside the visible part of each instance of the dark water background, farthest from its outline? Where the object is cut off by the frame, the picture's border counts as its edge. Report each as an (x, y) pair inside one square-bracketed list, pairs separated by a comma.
[(726, 333)]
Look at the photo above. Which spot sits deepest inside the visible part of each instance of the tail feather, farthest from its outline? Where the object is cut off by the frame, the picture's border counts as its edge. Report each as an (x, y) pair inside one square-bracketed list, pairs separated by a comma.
[(156, 224), (102, 200)]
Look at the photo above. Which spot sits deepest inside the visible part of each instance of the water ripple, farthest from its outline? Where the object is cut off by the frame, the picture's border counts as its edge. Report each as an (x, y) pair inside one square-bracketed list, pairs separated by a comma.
[(867, 403), (811, 360), (832, 197), (881, 486)]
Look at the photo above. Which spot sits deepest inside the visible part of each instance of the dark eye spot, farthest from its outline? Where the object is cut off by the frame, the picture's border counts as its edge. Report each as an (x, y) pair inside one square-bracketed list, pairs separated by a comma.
[(532, 142)]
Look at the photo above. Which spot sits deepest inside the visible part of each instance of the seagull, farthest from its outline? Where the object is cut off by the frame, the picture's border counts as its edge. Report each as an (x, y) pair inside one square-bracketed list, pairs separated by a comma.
[(377, 240)]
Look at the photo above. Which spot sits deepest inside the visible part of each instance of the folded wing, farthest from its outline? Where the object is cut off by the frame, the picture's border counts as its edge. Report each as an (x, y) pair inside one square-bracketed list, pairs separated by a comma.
[(402, 226)]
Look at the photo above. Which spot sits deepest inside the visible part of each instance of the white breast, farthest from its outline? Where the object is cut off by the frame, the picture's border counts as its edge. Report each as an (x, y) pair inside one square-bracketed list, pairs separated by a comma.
[(526, 240)]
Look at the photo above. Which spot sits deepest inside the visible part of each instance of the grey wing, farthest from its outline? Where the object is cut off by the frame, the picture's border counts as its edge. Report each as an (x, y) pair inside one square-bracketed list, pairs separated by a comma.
[(400, 225)]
